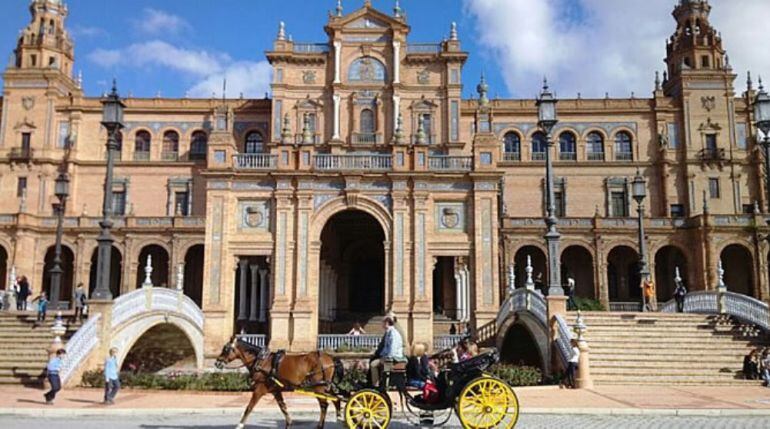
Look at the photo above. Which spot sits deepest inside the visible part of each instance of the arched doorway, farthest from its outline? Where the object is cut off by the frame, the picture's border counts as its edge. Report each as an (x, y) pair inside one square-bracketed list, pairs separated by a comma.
[(193, 273), (739, 269), (578, 263), (539, 267), (159, 266), (352, 271), (667, 260), (116, 272), (3, 268), (521, 348), (162, 347), (67, 264), (624, 282)]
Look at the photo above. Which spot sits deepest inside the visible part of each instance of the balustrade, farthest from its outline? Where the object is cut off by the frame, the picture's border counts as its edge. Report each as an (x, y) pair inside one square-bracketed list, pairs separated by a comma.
[(450, 163), (369, 162), (348, 342), (258, 340), (255, 161)]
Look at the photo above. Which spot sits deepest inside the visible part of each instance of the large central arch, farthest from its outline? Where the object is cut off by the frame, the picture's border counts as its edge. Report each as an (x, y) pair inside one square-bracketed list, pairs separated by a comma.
[(352, 267)]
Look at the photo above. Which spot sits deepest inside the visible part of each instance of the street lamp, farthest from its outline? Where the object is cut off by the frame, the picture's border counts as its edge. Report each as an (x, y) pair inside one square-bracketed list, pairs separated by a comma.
[(62, 191), (762, 119), (112, 120), (639, 192), (546, 120)]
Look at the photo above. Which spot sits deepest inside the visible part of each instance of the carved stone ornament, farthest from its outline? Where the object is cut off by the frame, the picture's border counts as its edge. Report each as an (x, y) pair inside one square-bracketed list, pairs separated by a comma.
[(450, 218), (423, 77), (254, 217), (28, 102), (708, 103), (309, 77)]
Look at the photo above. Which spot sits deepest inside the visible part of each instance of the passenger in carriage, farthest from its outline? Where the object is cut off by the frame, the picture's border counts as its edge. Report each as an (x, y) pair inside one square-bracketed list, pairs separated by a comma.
[(418, 369), (391, 348)]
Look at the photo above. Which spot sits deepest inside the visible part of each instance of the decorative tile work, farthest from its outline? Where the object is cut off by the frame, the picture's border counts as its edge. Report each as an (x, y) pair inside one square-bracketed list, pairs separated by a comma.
[(302, 254), (486, 251), (321, 199), (254, 215), (241, 127), (450, 216), (156, 126), (581, 127), (398, 247), (217, 225), (264, 185), (420, 253), (280, 261)]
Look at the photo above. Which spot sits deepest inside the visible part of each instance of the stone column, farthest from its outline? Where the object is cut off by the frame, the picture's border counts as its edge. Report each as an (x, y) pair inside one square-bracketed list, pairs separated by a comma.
[(396, 62), (243, 266), (337, 61), (264, 293), (336, 117), (253, 298), (459, 291)]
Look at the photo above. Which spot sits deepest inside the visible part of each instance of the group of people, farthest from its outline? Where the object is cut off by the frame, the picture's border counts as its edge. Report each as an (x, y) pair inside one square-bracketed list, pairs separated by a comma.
[(756, 365), (22, 290), (111, 376)]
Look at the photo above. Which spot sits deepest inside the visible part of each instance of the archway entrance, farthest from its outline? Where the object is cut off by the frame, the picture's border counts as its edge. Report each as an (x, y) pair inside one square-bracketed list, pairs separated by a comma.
[(162, 347), (193, 273), (159, 266), (539, 268), (623, 279), (521, 348), (667, 260), (116, 272), (739, 269), (3, 268), (578, 264), (67, 264), (352, 271)]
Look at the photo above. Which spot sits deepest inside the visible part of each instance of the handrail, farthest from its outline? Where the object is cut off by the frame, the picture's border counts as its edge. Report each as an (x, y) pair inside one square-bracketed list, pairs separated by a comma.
[(334, 342), (524, 299), (79, 346), (136, 302), (258, 340), (563, 339), (742, 307)]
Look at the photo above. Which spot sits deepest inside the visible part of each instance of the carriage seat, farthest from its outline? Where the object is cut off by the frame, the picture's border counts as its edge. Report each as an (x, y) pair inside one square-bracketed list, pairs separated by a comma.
[(395, 366)]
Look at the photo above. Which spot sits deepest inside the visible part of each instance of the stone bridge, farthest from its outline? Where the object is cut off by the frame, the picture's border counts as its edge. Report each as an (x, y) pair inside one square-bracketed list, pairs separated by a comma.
[(122, 322)]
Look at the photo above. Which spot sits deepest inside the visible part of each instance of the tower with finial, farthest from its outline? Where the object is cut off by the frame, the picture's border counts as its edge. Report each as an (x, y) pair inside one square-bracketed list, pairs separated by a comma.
[(483, 90), (338, 9), (45, 42), (453, 32), (397, 11), (281, 31)]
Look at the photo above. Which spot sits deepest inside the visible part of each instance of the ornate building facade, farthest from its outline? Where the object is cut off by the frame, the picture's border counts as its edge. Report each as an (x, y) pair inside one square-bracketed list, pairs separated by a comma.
[(366, 183)]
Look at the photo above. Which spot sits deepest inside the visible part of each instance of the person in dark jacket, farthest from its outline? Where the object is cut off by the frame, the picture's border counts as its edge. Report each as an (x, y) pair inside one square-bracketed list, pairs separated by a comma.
[(24, 293), (679, 293), (418, 368)]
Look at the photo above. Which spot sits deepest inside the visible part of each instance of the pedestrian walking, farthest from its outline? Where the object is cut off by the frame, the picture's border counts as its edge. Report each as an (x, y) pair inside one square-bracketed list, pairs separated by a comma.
[(648, 292), (111, 377), (42, 306), (80, 302), (570, 291), (679, 294), (572, 365), (52, 373), (24, 293)]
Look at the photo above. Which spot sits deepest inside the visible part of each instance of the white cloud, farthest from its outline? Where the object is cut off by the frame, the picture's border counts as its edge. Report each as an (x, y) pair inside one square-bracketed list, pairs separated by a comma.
[(207, 69), (78, 31), (613, 46), (157, 22)]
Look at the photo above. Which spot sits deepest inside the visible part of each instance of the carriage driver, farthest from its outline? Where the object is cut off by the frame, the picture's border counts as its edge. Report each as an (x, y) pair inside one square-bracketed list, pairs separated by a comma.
[(391, 348)]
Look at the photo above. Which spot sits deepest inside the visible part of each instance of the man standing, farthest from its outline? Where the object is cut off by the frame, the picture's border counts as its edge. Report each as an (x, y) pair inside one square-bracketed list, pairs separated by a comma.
[(391, 348), (111, 378), (80, 302), (52, 369), (679, 294)]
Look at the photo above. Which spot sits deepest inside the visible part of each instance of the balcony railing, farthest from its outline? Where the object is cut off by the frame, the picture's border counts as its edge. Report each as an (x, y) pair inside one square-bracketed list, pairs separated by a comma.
[(624, 156), (141, 156), (197, 156), (21, 154), (255, 161), (353, 162), (170, 156), (567, 156), (713, 154), (538, 156), (450, 163), (423, 48), (595, 156), (360, 343), (253, 339), (311, 48), (512, 156), (367, 138)]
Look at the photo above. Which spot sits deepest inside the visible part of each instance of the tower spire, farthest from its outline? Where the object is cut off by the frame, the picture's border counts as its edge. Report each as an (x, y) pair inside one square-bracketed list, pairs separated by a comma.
[(338, 10)]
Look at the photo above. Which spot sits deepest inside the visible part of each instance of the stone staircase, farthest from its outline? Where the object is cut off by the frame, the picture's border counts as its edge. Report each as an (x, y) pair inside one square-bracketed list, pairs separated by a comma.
[(24, 347), (661, 348)]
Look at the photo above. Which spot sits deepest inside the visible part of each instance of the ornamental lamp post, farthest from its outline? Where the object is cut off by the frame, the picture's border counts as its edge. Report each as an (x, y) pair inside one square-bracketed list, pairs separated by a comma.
[(762, 119), (112, 120), (639, 193), (62, 191), (546, 121)]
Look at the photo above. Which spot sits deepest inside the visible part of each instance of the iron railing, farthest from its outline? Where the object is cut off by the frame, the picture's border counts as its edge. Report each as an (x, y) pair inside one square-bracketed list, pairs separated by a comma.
[(538, 156), (443, 342), (141, 156), (624, 156), (595, 156)]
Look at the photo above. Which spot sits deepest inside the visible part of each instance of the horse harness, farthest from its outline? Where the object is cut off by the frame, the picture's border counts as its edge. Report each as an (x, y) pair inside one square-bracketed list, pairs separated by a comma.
[(272, 376)]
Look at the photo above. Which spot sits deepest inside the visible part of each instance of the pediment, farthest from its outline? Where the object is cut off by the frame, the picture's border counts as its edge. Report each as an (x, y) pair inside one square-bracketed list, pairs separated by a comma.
[(367, 23), (367, 18)]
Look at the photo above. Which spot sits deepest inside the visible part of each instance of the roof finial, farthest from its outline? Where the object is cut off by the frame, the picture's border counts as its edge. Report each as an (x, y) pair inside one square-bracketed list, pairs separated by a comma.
[(281, 30), (339, 8), (453, 32), (80, 79), (367, 3), (761, 85), (545, 83), (397, 9), (657, 81), (727, 63), (114, 87), (483, 89), (749, 82)]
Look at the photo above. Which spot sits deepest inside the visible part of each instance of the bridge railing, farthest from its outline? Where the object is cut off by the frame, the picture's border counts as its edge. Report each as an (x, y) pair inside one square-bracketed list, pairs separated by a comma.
[(354, 342), (742, 307), (563, 339), (147, 299), (80, 346), (523, 299), (443, 342), (258, 340)]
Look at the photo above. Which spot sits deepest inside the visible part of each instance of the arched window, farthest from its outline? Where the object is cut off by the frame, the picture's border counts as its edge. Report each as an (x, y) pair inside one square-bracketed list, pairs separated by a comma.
[(254, 143), (623, 147), (567, 146), (367, 125), (595, 146), (142, 145), (199, 145), (118, 146), (539, 145), (366, 69), (170, 146), (512, 147), (311, 122)]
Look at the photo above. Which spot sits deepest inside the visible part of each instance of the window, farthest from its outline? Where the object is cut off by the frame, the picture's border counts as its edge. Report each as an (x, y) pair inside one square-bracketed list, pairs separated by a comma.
[(199, 145), (254, 142), (512, 147), (618, 206), (21, 187), (142, 144), (677, 210), (311, 123), (427, 126), (33, 60), (26, 143), (538, 146), (705, 63), (367, 125), (595, 147), (558, 202), (170, 146), (714, 191), (623, 150), (567, 147), (181, 203), (748, 209), (119, 203)]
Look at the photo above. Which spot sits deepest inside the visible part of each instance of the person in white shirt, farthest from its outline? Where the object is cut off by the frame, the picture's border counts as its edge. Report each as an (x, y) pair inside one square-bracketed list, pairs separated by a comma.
[(572, 365)]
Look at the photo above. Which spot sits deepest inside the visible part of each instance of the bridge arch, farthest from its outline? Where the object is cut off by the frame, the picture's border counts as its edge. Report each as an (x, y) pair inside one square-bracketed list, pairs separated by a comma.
[(521, 334)]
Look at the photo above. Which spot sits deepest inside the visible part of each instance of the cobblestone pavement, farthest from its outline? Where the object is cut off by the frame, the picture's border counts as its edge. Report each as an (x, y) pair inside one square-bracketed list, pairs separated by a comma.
[(271, 420)]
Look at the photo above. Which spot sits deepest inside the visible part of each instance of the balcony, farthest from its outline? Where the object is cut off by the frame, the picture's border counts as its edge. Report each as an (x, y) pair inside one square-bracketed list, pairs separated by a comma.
[(255, 161), (595, 156), (713, 154), (512, 156), (170, 156), (141, 156), (21, 154), (366, 138), (567, 156), (450, 163), (624, 156), (538, 156), (423, 48), (352, 162), (311, 48)]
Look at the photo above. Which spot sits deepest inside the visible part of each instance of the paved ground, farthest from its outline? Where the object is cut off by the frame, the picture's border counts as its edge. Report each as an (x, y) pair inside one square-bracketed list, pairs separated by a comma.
[(271, 420)]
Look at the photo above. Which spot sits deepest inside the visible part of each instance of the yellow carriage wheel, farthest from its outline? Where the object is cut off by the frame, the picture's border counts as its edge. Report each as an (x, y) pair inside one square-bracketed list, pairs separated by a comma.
[(487, 403), (367, 409)]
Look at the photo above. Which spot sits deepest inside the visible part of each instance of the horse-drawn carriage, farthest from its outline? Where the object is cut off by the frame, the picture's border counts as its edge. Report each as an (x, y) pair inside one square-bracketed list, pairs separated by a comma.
[(480, 400)]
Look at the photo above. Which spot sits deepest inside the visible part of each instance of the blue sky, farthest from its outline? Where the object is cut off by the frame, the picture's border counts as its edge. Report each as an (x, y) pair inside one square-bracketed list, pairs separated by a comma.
[(588, 46)]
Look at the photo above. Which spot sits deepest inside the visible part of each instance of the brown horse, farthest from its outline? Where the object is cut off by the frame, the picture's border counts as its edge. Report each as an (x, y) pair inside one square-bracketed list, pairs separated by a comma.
[(314, 372)]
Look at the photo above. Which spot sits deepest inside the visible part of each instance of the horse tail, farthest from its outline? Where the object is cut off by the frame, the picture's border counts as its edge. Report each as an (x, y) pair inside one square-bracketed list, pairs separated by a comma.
[(339, 370)]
